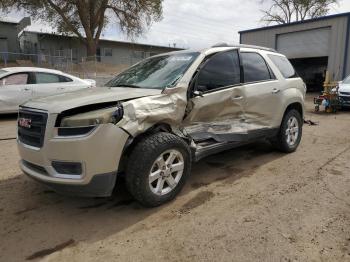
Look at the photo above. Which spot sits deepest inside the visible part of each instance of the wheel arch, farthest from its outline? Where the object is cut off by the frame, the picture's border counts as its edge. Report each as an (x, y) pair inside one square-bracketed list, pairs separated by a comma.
[(297, 106), (133, 141)]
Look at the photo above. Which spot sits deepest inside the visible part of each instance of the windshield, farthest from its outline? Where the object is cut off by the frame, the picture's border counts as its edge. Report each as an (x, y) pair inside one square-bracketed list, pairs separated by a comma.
[(155, 72), (2, 71), (346, 80)]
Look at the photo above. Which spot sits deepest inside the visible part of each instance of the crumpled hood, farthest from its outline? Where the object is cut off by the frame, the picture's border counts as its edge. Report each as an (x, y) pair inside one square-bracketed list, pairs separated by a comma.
[(65, 101), (344, 88)]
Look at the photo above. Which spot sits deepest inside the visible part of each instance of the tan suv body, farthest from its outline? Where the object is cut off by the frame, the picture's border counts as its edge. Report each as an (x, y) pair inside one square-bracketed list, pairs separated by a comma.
[(154, 119)]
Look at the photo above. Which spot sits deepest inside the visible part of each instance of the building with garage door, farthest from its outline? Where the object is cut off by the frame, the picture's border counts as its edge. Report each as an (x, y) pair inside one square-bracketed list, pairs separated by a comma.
[(9, 43), (8, 37), (58, 46), (313, 46)]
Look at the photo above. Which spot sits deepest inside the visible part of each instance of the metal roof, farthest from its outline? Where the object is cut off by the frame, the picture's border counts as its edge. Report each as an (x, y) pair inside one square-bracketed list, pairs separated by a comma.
[(29, 69), (101, 39), (8, 21), (296, 23)]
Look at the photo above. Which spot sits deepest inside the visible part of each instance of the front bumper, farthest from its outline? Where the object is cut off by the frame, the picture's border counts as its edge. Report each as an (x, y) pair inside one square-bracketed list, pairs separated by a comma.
[(98, 153), (344, 100)]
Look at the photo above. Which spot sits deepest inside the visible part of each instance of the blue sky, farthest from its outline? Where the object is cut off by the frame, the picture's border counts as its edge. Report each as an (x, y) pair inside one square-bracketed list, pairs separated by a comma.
[(197, 24)]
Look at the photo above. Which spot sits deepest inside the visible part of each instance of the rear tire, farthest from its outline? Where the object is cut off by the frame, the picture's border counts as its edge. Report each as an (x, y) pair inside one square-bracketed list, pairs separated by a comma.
[(290, 133), (157, 169)]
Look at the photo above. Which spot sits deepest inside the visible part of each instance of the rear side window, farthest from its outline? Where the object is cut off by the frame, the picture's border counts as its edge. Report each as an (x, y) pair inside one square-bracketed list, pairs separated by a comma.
[(47, 78), (15, 79), (255, 68), (65, 79), (220, 71), (283, 64)]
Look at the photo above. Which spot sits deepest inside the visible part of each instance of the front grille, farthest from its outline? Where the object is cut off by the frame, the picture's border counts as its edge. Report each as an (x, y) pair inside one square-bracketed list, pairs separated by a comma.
[(345, 93), (34, 133)]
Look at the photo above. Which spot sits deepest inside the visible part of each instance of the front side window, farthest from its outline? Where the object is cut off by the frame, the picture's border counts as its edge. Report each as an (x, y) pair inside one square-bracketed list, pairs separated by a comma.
[(15, 79), (220, 71), (283, 64), (46, 78), (156, 72), (255, 68)]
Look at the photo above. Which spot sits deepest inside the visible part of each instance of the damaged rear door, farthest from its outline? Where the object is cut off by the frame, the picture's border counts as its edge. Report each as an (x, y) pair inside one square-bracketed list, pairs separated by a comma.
[(215, 109), (263, 93)]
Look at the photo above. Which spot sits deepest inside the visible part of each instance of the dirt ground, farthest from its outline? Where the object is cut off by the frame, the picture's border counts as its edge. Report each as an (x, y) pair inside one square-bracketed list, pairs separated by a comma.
[(247, 204)]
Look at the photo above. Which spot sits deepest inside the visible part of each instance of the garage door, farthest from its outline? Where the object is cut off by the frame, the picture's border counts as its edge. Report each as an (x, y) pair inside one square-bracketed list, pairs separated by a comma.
[(310, 43)]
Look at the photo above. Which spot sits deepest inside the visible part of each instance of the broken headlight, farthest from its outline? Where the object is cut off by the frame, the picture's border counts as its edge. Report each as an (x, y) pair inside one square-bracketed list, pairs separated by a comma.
[(93, 118)]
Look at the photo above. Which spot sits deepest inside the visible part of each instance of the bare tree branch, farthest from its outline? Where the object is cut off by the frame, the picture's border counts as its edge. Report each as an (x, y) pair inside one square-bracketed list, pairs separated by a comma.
[(87, 18), (287, 11)]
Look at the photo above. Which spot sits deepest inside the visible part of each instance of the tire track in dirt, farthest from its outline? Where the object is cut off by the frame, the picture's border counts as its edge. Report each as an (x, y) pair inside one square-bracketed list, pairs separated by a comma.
[(45, 252), (325, 186)]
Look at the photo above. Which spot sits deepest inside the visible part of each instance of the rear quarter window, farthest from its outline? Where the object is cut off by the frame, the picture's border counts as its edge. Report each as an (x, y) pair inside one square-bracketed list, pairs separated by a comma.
[(285, 67), (65, 79)]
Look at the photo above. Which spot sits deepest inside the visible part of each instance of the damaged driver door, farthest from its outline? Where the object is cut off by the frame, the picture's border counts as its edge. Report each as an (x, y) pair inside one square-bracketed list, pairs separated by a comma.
[(215, 108)]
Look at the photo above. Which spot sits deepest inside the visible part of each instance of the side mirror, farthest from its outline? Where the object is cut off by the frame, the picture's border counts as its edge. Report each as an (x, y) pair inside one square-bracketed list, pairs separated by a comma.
[(198, 93)]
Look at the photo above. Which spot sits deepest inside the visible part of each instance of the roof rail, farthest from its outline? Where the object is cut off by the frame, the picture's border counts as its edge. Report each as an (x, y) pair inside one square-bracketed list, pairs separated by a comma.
[(245, 46)]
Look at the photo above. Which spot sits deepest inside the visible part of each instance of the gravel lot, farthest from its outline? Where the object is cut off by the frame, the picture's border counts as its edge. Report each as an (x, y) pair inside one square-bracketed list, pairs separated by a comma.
[(248, 204)]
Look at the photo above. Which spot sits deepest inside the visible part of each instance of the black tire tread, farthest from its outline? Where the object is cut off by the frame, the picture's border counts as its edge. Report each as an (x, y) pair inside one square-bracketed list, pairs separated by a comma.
[(141, 159), (279, 142)]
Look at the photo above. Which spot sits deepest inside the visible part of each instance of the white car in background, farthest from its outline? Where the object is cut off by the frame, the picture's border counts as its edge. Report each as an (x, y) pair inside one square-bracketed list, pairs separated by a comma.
[(20, 84), (344, 92)]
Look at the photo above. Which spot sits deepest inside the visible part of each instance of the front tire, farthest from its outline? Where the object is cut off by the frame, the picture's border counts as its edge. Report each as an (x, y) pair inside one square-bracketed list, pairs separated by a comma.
[(157, 169), (289, 135)]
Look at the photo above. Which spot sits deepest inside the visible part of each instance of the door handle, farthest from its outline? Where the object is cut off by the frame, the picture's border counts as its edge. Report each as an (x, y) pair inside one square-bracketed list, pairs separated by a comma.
[(275, 91), (60, 88), (26, 89), (238, 98)]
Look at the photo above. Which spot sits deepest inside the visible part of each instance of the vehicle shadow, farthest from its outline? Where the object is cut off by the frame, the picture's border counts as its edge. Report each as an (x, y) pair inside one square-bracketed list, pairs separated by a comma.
[(8, 117), (35, 221)]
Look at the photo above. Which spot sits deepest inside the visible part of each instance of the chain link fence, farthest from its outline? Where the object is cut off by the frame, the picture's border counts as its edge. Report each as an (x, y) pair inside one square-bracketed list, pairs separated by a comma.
[(91, 67)]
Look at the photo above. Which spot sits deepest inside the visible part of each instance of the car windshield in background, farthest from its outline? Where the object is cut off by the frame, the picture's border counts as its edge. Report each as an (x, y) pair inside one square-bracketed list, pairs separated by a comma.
[(346, 80), (156, 72), (2, 72)]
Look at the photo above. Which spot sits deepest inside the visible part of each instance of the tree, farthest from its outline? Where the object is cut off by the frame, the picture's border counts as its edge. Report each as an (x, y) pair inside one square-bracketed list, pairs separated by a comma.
[(287, 11), (86, 19)]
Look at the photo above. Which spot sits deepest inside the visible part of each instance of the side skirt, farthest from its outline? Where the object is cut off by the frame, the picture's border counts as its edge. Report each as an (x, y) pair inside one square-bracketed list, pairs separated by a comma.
[(230, 141)]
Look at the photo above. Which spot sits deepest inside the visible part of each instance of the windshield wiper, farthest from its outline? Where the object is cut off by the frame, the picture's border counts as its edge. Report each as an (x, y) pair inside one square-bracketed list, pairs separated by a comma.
[(126, 85)]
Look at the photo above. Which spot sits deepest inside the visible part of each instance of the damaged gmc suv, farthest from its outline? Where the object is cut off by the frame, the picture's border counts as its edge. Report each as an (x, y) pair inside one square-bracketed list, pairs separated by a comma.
[(152, 120)]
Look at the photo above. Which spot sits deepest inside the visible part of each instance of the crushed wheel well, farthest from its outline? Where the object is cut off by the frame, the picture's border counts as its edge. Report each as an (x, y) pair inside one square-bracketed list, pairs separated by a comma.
[(132, 142)]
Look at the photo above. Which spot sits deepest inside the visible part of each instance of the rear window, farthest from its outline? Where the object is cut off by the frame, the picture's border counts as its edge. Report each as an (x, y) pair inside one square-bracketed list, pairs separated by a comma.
[(47, 78), (283, 64)]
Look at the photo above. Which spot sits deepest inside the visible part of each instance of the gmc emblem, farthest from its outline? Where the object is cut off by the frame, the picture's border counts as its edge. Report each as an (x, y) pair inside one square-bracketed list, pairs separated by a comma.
[(25, 122)]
